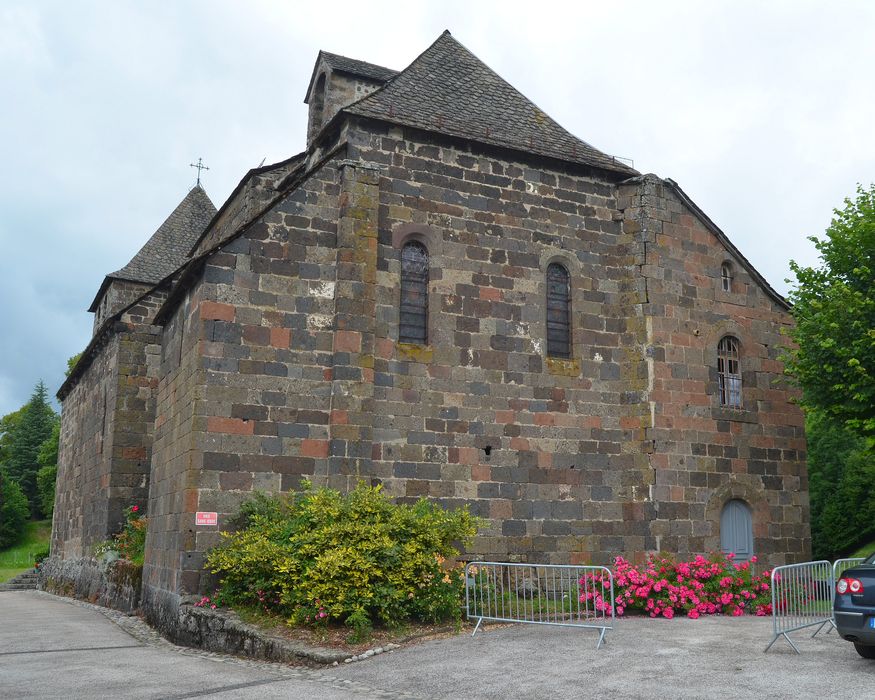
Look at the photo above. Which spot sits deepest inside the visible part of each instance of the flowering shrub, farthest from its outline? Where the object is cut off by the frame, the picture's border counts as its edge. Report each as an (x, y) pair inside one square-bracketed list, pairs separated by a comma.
[(212, 603), (320, 556), (664, 587), (130, 543)]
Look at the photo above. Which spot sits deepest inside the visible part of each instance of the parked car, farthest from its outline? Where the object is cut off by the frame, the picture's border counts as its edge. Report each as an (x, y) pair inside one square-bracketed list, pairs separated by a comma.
[(854, 607)]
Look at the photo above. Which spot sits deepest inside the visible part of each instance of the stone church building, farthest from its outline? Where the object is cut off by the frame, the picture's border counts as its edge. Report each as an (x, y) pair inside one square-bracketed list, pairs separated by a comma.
[(449, 294)]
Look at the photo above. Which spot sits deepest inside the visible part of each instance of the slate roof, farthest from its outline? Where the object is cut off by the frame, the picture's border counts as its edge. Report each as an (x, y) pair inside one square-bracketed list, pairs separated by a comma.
[(168, 248), (356, 67), (353, 66), (448, 90)]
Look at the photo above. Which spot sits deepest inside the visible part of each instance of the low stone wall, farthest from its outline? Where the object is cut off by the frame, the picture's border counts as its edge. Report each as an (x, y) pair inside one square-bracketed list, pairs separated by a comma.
[(114, 585), (179, 620)]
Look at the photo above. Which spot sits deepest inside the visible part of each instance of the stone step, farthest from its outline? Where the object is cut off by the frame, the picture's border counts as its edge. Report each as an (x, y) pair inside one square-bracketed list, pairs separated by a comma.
[(23, 582)]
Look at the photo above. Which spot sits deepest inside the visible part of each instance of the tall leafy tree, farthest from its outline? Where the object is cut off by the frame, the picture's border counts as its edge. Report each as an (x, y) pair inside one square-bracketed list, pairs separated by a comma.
[(48, 471), (842, 487), (32, 429), (833, 362), (13, 511), (834, 309)]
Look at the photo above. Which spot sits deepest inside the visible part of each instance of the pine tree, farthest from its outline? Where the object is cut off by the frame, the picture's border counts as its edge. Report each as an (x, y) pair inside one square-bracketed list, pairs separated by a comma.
[(32, 429)]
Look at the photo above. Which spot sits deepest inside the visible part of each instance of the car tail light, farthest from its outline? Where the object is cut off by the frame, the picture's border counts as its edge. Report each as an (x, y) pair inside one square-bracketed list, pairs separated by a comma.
[(848, 584)]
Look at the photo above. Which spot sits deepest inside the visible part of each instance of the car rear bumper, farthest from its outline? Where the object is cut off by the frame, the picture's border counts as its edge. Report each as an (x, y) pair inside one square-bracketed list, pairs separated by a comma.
[(854, 624)]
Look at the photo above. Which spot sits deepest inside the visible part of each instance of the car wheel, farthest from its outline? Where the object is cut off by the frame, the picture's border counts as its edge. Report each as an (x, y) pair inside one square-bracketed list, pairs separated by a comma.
[(865, 651)]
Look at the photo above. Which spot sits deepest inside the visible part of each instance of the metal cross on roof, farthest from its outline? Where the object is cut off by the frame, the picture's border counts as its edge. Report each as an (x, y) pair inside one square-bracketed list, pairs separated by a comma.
[(200, 166)]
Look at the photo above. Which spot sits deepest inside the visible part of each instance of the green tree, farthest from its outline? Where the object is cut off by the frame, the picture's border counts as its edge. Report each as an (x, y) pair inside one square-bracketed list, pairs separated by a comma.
[(842, 487), (14, 511), (7, 426), (31, 430), (47, 457), (834, 309)]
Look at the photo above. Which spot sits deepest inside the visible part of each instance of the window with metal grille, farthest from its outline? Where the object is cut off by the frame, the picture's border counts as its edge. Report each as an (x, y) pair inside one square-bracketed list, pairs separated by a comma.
[(413, 327), (726, 276), (558, 312), (729, 372)]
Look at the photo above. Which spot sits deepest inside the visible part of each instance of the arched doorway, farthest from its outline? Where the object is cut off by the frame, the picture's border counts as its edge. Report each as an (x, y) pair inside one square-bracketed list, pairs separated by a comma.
[(736, 529)]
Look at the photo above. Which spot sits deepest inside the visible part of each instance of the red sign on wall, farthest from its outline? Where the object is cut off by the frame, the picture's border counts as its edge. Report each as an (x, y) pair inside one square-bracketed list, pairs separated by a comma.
[(204, 518)]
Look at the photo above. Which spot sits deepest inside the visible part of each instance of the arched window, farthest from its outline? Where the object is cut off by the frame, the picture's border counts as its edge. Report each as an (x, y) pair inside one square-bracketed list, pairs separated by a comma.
[(726, 276), (413, 326), (558, 312), (729, 372)]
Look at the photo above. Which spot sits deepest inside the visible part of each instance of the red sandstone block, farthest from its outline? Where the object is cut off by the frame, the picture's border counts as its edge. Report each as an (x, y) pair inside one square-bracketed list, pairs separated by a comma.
[(314, 448), (339, 417), (480, 472), (545, 419), (190, 500), (545, 460), (383, 348), (630, 422), (213, 311), (469, 455), (504, 416), (280, 337), (134, 453), (490, 293), (233, 426), (518, 443), (347, 341)]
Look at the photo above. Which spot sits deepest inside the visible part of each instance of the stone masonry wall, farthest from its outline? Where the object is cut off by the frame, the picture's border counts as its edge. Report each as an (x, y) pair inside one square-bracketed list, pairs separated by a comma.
[(244, 396), (284, 362), (705, 454), (548, 451), (106, 434), (81, 515)]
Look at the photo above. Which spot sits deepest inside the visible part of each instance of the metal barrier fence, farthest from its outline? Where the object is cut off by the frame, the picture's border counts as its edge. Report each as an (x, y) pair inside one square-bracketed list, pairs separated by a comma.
[(802, 596), (842, 565), (540, 594)]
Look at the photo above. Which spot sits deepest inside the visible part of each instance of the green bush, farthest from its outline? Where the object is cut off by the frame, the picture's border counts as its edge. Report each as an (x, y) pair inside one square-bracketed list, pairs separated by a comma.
[(322, 556), (14, 511), (45, 488)]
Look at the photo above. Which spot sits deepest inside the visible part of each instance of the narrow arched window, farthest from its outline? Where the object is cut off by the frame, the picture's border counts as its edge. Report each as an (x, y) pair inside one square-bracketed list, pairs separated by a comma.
[(558, 312), (726, 276), (729, 372), (413, 327)]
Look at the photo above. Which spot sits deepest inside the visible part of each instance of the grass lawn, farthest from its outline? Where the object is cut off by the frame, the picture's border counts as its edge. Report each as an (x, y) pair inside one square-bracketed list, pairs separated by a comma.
[(864, 551), (15, 560)]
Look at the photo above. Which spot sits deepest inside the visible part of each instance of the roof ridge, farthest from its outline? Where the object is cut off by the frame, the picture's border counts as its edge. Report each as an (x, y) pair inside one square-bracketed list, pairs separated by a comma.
[(447, 89)]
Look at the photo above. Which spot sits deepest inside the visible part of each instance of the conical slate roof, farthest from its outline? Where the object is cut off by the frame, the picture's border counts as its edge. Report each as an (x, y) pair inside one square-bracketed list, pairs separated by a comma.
[(169, 246), (449, 90)]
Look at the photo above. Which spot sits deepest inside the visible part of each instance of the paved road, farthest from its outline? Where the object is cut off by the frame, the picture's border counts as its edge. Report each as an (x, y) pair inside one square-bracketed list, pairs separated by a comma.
[(52, 648)]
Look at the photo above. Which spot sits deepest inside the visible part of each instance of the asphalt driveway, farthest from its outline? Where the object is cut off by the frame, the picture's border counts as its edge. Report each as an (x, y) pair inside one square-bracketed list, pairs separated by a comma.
[(50, 647)]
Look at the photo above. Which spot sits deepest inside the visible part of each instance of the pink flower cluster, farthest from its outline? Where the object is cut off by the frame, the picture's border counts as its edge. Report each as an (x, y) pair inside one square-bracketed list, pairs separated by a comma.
[(206, 602), (663, 588)]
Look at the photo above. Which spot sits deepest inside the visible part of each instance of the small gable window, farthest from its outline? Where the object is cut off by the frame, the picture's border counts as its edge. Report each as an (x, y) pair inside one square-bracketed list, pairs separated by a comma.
[(413, 327), (558, 312), (729, 372), (726, 276)]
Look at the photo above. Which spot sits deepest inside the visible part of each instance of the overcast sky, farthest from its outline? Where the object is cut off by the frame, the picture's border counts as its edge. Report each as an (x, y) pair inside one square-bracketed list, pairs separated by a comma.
[(762, 112)]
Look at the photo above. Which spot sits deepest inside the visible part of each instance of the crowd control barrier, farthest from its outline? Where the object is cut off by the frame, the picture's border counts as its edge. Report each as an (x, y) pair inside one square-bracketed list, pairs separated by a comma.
[(541, 594)]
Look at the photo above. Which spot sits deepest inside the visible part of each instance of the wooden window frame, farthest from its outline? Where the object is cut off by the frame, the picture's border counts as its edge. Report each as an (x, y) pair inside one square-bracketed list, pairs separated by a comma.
[(729, 382)]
